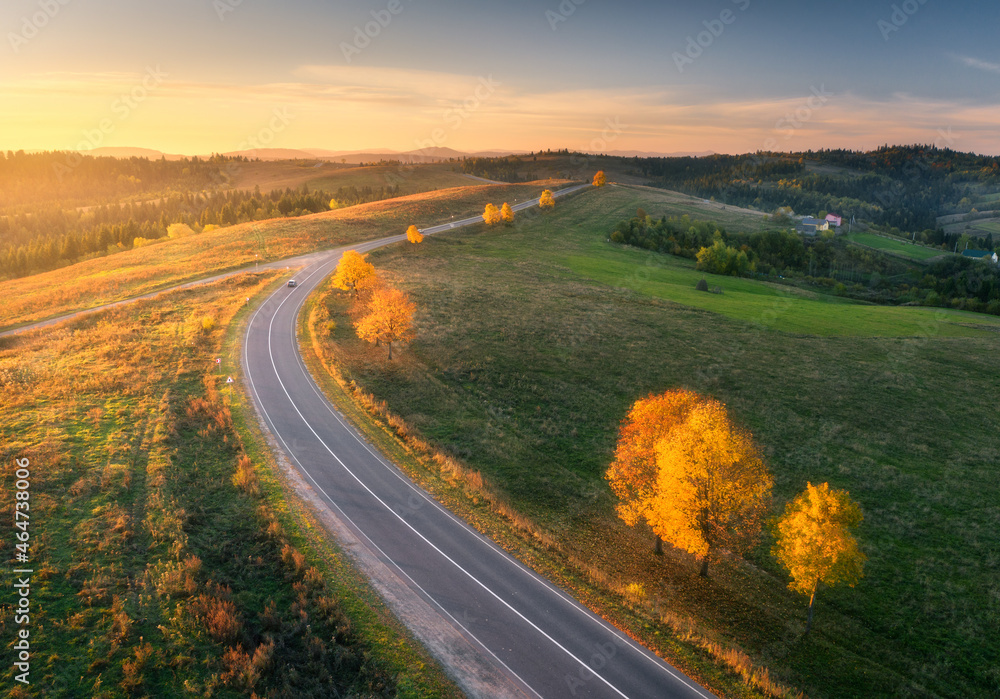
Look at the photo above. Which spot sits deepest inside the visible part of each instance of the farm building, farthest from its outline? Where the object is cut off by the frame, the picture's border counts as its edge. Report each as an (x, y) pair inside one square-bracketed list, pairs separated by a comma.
[(811, 226), (981, 255)]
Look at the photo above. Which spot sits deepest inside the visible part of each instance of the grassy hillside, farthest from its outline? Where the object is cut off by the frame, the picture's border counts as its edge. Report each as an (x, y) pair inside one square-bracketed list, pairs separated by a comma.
[(167, 562), (170, 262), (913, 252), (411, 179), (534, 340)]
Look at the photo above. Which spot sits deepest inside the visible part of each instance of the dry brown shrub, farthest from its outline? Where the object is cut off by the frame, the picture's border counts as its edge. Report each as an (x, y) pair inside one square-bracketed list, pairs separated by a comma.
[(121, 622), (218, 614), (97, 589), (132, 668), (245, 478), (291, 557), (177, 578)]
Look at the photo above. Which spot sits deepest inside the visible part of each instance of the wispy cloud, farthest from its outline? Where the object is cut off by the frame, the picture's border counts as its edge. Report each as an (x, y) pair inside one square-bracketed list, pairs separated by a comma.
[(977, 63), (359, 107)]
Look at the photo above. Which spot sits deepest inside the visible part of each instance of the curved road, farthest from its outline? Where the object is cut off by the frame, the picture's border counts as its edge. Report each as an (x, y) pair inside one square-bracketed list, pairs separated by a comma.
[(536, 638)]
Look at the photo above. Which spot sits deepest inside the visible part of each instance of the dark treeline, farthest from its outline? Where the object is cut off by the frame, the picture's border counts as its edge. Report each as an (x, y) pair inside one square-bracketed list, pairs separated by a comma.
[(825, 261), (47, 237), (500, 169), (901, 187), (30, 179)]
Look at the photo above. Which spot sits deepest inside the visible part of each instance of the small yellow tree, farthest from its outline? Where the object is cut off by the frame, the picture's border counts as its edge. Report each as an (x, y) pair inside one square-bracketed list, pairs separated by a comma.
[(814, 541), (179, 230), (353, 268), (414, 235), (599, 179), (546, 201), (389, 318), (491, 215), (507, 213)]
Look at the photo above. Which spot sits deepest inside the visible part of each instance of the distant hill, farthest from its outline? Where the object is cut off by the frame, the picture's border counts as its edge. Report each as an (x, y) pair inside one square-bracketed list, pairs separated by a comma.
[(126, 152), (648, 154), (368, 155), (273, 154)]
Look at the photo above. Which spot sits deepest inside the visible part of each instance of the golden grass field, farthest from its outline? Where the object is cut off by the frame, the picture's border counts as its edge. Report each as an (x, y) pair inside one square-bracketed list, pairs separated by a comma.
[(167, 560)]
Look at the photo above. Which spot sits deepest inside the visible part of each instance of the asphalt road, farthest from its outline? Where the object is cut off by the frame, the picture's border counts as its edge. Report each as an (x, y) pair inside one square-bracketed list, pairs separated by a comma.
[(545, 643)]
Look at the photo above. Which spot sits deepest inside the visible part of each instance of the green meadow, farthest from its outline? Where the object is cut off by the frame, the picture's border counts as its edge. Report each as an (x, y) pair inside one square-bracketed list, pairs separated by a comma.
[(913, 252)]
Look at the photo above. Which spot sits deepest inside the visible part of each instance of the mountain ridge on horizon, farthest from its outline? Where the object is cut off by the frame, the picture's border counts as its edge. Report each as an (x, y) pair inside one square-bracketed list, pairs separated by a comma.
[(436, 154)]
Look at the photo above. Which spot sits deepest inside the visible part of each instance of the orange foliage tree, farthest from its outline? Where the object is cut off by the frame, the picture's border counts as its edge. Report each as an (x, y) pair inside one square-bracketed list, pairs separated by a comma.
[(363, 295), (600, 179), (507, 213), (491, 215), (388, 318), (697, 479), (353, 268), (546, 201), (632, 474), (814, 541), (414, 235)]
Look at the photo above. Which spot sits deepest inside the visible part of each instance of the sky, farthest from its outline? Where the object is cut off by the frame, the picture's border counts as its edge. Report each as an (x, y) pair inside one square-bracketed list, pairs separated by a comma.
[(729, 76)]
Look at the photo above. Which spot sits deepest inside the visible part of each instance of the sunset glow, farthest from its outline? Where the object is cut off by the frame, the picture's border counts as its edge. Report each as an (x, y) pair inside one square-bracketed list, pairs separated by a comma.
[(225, 76)]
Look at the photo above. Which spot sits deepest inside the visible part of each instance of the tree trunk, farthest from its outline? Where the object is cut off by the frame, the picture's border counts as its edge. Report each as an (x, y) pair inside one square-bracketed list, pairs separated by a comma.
[(390, 351), (809, 618), (658, 548), (704, 567)]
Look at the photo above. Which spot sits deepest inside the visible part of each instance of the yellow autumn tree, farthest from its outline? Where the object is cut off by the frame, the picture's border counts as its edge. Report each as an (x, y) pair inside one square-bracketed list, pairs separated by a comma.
[(546, 201), (353, 268), (179, 230), (600, 179), (632, 474), (697, 479), (414, 235), (388, 318), (814, 541), (491, 215), (712, 487), (363, 294), (507, 213)]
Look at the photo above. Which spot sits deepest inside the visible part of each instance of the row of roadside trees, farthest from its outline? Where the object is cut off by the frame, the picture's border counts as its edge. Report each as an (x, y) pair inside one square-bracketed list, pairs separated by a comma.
[(382, 314)]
